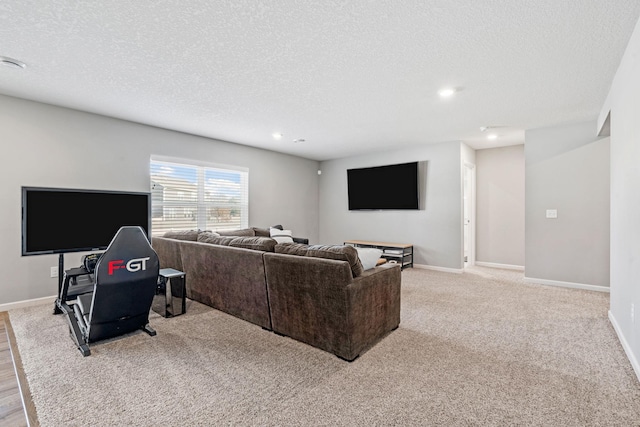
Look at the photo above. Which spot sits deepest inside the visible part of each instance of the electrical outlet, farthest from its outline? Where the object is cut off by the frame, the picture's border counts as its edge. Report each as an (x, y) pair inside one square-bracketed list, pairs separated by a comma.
[(54, 271)]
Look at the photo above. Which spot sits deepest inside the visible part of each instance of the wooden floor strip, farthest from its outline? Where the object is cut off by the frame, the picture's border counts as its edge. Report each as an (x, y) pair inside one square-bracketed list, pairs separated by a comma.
[(15, 397)]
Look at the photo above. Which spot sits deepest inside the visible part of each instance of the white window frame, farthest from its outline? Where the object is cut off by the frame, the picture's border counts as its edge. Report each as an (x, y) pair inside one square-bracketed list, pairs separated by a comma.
[(201, 205)]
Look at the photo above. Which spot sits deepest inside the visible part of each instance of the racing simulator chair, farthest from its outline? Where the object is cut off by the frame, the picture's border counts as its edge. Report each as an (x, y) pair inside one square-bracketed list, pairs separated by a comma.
[(125, 282)]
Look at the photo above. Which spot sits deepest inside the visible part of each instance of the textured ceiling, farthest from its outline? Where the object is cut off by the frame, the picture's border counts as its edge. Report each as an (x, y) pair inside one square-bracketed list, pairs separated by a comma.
[(346, 76)]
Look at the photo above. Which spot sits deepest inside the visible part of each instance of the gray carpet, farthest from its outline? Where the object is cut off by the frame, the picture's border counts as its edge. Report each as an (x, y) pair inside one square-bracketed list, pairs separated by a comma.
[(482, 348)]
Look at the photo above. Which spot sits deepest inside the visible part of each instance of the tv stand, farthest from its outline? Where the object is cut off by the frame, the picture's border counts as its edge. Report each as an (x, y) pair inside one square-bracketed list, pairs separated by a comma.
[(56, 309), (73, 282), (402, 253)]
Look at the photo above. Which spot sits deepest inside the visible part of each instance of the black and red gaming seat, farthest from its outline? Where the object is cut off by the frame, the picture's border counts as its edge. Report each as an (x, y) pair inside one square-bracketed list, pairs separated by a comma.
[(126, 277)]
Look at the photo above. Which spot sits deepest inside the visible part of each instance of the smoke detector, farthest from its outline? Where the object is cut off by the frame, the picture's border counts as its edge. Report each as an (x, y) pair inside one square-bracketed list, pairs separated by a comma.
[(491, 128)]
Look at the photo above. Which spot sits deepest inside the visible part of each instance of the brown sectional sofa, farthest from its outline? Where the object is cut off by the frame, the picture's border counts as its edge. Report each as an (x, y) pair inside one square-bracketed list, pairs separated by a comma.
[(315, 294)]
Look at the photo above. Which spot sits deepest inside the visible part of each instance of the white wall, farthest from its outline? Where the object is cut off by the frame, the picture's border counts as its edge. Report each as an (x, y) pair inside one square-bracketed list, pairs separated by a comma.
[(623, 103), (567, 169), (500, 205), (435, 231), (49, 146)]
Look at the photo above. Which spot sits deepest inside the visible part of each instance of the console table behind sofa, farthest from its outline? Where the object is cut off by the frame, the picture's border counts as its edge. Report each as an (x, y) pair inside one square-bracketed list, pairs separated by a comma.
[(402, 253)]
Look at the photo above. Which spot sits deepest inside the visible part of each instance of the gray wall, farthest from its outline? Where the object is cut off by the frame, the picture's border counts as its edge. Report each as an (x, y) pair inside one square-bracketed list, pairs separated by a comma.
[(625, 199), (435, 232), (58, 147), (500, 205), (567, 168)]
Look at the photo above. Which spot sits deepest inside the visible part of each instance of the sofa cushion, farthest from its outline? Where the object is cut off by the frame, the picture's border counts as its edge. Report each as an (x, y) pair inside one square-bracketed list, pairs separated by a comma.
[(291, 249), (237, 233), (257, 243), (214, 238), (207, 233), (182, 235), (340, 253)]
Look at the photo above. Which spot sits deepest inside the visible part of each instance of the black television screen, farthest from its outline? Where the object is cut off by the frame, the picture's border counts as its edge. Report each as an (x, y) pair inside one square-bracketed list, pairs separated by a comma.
[(58, 220), (384, 187)]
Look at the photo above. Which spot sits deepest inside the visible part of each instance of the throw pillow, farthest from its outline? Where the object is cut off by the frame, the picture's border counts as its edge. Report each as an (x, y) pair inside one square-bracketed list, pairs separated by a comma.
[(281, 236), (369, 257), (262, 232), (339, 253)]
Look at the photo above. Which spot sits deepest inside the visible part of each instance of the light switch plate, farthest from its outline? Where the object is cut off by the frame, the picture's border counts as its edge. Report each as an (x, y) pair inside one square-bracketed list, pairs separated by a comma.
[(552, 213)]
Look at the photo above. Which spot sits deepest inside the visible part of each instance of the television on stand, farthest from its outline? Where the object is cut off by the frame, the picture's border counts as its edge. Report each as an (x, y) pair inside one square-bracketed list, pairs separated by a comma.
[(62, 220), (57, 220)]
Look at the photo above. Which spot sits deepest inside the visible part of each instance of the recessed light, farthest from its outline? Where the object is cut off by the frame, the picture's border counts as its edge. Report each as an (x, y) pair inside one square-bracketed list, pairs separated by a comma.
[(276, 135), (492, 136), (447, 92), (13, 63)]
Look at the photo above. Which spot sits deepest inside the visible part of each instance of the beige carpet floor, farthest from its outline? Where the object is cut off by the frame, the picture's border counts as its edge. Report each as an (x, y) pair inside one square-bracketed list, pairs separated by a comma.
[(477, 349)]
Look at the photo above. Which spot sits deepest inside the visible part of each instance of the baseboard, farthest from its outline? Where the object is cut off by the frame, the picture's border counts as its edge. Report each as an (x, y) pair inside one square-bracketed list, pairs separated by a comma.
[(433, 267), (503, 266), (567, 284), (28, 303), (625, 345)]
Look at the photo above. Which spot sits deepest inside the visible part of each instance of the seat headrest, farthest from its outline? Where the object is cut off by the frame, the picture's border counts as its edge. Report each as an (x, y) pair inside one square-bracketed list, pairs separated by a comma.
[(129, 256)]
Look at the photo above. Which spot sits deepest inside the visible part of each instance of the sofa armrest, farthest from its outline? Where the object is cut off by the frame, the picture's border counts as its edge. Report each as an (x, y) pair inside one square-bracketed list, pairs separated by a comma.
[(374, 305)]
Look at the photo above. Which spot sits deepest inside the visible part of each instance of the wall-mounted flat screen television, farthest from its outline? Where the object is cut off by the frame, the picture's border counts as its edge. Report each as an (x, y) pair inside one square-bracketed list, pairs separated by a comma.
[(393, 187), (56, 220)]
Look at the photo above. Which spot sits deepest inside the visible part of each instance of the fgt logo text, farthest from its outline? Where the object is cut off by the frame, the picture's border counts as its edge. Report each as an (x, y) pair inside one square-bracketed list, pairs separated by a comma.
[(133, 265)]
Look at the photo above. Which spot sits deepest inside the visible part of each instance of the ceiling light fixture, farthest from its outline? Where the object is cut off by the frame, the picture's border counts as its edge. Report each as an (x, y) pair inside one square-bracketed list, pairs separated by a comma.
[(297, 141), (276, 135), (492, 136), (12, 63), (447, 92)]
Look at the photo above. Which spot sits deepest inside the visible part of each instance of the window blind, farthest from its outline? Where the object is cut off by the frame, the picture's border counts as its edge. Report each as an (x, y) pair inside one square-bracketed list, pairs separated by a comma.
[(197, 196)]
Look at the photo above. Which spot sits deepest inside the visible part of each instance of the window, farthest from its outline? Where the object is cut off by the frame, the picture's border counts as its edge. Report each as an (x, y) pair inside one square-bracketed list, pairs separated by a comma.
[(189, 195)]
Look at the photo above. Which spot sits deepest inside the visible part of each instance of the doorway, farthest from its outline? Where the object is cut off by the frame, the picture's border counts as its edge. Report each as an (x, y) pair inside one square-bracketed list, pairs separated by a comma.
[(469, 215)]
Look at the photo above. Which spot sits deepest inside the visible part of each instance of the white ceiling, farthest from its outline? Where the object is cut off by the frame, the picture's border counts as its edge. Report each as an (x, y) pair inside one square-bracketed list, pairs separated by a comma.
[(346, 76)]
